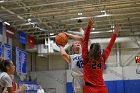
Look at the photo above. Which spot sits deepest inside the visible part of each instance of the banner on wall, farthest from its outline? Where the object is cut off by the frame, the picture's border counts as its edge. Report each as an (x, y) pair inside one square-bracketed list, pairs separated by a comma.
[(31, 41), (7, 52), (31, 86), (10, 31), (22, 37), (23, 62), (1, 28), (0, 49), (18, 60)]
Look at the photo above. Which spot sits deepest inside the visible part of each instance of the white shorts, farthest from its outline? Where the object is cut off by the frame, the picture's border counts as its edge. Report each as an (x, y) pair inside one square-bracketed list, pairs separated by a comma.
[(78, 84)]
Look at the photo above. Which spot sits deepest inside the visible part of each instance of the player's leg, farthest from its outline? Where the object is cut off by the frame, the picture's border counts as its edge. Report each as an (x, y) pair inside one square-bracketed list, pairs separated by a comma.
[(78, 85)]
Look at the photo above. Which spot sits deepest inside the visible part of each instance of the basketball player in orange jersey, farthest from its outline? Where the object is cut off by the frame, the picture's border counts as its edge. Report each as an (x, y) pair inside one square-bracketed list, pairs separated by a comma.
[(94, 62), (76, 62)]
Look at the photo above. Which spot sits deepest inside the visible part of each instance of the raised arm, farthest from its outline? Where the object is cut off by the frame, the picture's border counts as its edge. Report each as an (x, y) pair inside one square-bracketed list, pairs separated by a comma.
[(86, 39), (63, 53), (75, 37), (107, 51)]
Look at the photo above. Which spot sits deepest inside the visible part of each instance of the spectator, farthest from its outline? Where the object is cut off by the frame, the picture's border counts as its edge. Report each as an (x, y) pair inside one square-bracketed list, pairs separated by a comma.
[(7, 68), (40, 90)]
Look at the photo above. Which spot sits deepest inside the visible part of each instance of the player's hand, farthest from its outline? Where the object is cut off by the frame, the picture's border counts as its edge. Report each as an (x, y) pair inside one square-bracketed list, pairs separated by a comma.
[(66, 34), (91, 22), (116, 29), (60, 46), (23, 87)]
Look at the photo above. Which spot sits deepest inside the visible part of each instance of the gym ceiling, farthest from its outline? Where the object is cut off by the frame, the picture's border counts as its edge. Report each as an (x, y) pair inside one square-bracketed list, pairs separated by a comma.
[(40, 18)]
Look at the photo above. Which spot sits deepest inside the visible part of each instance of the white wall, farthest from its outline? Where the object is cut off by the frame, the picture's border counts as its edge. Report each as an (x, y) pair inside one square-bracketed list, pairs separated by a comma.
[(41, 63), (57, 63)]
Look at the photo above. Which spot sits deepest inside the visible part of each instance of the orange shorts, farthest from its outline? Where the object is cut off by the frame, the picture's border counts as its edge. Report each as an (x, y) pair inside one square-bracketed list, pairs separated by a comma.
[(89, 89)]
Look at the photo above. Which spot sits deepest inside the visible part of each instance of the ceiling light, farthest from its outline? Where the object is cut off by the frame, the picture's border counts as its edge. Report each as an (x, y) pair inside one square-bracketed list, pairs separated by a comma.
[(80, 13), (103, 11), (1, 1), (7, 23), (51, 34), (29, 20), (93, 28)]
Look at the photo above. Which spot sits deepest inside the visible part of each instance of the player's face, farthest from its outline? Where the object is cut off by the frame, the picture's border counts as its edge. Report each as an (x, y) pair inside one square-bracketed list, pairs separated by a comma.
[(11, 68), (76, 45)]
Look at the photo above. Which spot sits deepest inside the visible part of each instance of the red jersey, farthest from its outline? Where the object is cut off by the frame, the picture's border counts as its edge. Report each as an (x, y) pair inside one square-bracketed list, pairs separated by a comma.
[(93, 71)]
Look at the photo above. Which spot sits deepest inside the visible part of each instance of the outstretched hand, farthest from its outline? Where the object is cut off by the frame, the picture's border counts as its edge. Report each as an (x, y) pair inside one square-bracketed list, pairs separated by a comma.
[(116, 29), (91, 22)]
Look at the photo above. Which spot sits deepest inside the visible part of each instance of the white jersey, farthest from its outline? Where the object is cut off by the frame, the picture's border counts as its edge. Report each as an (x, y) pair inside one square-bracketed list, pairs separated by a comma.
[(5, 80), (77, 65), (77, 72)]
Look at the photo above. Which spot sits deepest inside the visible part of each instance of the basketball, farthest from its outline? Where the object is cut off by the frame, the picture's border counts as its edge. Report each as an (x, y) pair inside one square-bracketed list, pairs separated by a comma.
[(61, 39)]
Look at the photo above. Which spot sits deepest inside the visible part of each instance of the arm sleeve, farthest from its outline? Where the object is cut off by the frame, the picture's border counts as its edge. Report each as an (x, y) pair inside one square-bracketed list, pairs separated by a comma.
[(107, 51), (85, 43), (7, 81)]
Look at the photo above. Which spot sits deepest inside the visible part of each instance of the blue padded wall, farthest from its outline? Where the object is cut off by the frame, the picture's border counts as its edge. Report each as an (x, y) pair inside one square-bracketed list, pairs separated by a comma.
[(69, 87)]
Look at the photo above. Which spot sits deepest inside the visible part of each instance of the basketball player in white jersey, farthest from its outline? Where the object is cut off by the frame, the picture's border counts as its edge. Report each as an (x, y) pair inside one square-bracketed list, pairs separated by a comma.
[(76, 62)]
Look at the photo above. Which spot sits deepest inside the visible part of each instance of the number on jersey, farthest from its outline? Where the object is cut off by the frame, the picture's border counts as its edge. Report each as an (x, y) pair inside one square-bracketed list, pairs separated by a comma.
[(96, 65), (79, 64)]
